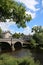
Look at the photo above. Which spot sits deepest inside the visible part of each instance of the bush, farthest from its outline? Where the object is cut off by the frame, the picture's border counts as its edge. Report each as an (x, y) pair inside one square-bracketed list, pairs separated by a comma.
[(6, 59), (32, 43)]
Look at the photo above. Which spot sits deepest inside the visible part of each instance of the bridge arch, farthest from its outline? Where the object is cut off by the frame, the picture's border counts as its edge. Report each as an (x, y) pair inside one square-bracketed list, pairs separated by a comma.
[(17, 45), (5, 46)]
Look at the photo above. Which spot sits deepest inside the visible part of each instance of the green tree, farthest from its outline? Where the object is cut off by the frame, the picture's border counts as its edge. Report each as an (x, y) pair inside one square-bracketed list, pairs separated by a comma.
[(12, 10), (0, 33), (16, 35), (38, 36), (0, 30), (37, 29)]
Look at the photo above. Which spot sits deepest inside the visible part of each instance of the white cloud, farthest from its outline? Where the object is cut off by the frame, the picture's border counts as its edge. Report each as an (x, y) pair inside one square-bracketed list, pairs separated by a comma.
[(5, 25), (32, 14), (30, 4), (27, 30), (42, 3)]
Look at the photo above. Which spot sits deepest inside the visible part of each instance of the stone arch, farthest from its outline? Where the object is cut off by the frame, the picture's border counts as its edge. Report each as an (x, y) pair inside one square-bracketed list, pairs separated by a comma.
[(5, 46), (18, 45)]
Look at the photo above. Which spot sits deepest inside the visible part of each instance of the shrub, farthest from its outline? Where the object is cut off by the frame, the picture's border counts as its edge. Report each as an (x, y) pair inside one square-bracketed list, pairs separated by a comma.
[(6, 59), (32, 43)]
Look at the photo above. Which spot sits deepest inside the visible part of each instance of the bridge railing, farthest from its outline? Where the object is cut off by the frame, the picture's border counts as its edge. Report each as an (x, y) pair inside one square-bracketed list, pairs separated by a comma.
[(5, 39), (13, 39)]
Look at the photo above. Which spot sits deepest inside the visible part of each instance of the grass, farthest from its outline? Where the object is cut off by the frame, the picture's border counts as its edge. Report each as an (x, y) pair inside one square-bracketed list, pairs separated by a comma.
[(6, 59)]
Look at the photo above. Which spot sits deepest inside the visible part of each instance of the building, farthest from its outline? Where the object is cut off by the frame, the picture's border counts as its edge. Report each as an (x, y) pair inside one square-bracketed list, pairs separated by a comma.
[(6, 34)]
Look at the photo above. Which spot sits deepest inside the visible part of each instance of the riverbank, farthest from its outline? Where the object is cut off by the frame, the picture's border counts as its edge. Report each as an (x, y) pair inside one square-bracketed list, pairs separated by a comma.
[(6, 59), (35, 54)]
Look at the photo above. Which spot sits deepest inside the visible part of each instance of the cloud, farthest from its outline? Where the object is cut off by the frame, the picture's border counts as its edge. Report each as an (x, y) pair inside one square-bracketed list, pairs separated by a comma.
[(5, 25), (30, 4), (27, 30), (42, 3), (32, 14)]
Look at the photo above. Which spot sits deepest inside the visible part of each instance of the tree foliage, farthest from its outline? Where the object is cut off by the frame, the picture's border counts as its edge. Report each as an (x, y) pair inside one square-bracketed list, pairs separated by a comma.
[(10, 9), (0, 30), (0, 33), (16, 35), (38, 36), (37, 29)]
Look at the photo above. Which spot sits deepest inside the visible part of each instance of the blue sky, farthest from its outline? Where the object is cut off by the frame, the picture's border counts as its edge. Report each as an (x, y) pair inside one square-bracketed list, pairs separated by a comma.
[(33, 7)]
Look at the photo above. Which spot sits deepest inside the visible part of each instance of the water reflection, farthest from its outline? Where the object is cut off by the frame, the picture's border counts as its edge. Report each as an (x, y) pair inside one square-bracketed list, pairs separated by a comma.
[(21, 53)]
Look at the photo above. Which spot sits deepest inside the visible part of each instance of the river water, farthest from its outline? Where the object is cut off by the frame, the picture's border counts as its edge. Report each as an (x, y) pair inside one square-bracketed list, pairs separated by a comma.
[(21, 53), (37, 54)]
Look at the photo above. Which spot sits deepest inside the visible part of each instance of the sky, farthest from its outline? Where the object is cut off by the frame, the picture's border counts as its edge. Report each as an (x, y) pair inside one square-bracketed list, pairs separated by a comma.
[(33, 7)]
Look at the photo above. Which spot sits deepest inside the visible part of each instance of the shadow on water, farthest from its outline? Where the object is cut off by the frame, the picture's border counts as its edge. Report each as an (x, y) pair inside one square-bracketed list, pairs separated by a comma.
[(5, 47), (38, 55)]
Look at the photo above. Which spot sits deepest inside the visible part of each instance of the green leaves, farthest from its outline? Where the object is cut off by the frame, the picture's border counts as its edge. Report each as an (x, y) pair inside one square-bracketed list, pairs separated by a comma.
[(0, 33), (10, 9), (0, 30), (6, 59), (37, 29), (38, 36)]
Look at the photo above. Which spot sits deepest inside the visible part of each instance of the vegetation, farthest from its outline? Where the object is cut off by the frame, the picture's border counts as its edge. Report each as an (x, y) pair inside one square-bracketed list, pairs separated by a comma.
[(6, 59), (0, 30), (12, 10), (36, 40), (32, 42), (0, 33), (18, 35), (38, 35), (37, 29)]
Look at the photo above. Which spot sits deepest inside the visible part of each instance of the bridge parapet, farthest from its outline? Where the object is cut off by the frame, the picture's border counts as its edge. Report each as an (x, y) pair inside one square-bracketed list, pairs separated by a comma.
[(5, 39)]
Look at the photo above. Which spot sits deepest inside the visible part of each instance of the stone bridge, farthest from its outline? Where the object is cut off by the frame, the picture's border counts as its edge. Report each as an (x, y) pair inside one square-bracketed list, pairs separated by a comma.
[(13, 42)]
